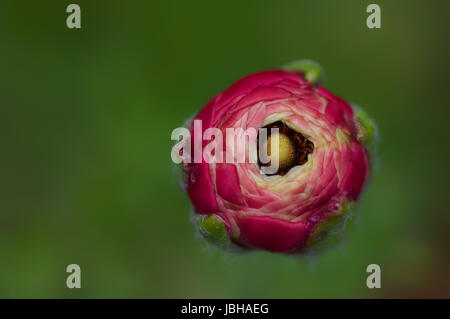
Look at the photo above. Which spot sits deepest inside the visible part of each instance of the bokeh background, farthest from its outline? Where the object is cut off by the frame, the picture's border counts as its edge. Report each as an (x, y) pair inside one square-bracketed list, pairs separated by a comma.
[(86, 117)]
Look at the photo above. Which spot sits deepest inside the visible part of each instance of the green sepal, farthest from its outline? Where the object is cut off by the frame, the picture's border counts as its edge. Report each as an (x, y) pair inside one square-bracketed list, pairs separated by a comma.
[(368, 135), (367, 128), (213, 229), (311, 70), (330, 232)]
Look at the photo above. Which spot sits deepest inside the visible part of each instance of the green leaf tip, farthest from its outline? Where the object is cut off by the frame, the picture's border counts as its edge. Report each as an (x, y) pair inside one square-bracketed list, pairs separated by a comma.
[(311, 70)]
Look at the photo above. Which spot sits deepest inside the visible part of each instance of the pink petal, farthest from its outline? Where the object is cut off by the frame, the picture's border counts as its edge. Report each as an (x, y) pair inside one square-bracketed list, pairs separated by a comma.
[(344, 106), (356, 172), (201, 189), (227, 182), (266, 78), (271, 234)]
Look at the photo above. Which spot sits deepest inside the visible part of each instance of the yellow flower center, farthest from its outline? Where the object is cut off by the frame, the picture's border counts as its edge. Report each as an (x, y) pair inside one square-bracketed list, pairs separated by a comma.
[(285, 151)]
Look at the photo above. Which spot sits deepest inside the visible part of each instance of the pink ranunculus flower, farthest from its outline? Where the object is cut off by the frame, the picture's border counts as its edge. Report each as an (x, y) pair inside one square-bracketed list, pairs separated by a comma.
[(307, 207)]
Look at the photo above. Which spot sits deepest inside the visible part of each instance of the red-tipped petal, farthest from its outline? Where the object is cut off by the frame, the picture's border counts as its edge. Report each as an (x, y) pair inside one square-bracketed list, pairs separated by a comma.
[(271, 234)]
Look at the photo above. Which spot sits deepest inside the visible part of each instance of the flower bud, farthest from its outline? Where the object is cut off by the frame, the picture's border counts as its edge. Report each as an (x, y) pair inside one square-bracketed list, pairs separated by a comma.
[(322, 157)]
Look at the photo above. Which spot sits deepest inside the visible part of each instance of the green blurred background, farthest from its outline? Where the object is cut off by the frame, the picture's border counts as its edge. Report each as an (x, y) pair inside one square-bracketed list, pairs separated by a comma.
[(86, 117)]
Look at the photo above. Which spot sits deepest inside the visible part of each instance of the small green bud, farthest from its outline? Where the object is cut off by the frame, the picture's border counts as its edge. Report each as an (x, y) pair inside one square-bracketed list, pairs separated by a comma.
[(311, 70), (213, 229)]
